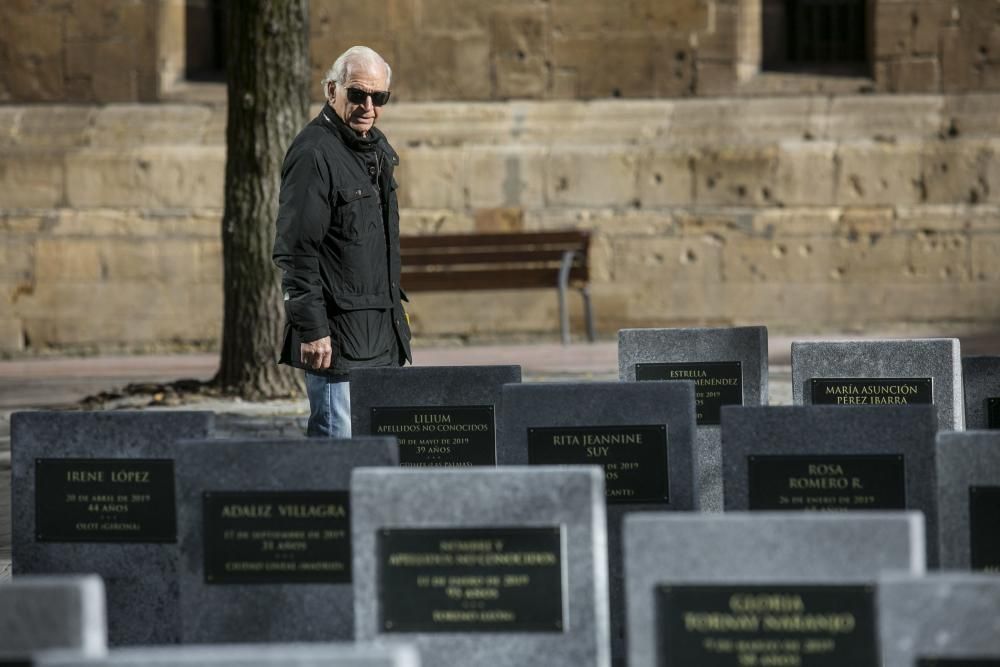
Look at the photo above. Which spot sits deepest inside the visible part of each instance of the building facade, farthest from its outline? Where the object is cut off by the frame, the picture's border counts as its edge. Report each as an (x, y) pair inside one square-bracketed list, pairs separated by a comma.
[(810, 165)]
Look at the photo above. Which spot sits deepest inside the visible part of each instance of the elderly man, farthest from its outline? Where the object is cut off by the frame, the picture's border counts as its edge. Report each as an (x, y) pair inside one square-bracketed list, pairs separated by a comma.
[(337, 242)]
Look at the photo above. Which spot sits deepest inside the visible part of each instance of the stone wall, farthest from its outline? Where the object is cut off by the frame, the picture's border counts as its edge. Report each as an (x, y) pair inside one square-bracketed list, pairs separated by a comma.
[(467, 50), (804, 214)]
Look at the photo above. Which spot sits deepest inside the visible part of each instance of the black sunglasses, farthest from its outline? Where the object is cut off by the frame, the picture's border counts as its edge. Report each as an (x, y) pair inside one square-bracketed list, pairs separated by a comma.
[(358, 96)]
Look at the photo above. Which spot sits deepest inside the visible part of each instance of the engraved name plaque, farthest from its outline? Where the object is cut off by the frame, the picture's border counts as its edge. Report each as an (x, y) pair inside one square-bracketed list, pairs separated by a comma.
[(277, 537), (440, 436), (827, 482), (716, 383), (105, 500), (471, 580), (732, 626), (984, 528), (634, 458), (872, 391)]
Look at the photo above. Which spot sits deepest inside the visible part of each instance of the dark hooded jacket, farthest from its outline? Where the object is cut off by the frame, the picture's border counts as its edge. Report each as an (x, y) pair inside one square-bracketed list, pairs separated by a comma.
[(337, 244)]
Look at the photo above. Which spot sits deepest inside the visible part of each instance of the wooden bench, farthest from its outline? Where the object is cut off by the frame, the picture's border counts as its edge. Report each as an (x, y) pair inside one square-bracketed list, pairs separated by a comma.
[(517, 260)]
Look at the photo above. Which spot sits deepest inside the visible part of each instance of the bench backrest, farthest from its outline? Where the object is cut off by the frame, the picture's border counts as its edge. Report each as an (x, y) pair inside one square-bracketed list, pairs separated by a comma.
[(492, 261)]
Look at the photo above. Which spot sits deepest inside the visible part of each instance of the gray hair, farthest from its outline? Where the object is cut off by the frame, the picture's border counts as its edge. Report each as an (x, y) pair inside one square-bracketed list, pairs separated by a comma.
[(356, 56)]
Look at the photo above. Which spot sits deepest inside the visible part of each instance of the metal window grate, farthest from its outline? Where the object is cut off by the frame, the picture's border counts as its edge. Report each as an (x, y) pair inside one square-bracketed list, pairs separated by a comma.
[(826, 32)]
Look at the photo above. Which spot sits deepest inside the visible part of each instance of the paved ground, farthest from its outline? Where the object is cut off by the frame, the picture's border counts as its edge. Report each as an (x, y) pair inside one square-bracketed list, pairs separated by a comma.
[(60, 383)]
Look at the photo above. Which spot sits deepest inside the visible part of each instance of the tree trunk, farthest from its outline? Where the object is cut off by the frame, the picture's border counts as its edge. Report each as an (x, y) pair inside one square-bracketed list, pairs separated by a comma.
[(268, 85)]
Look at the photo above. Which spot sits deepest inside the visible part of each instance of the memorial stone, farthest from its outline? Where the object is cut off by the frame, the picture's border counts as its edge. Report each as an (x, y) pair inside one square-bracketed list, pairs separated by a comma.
[(942, 620), (982, 392), (242, 655), (820, 457), (728, 367), (882, 373), (503, 567), (265, 537), (443, 416), (641, 433), (93, 492), (47, 613), (968, 479), (762, 588)]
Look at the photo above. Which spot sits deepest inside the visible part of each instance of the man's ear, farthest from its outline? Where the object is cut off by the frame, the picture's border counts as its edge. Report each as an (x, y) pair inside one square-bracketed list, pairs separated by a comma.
[(331, 91)]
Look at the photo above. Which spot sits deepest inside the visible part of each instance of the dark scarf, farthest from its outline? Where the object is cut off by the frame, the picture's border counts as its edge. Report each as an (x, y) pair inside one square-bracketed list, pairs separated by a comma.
[(352, 139)]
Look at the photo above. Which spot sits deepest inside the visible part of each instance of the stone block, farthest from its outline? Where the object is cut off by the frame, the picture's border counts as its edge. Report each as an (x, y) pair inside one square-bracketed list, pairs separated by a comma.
[(723, 355), (666, 178), (914, 75), (873, 173), (548, 424), (936, 256), (806, 174), (511, 176), (957, 172), (309, 601), (432, 178), (521, 79), (591, 177), (465, 55), (33, 65), (11, 334), (764, 550), (863, 458), (31, 179), (939, 359), (442, 416), (68, 261), (714, 79), (968, 490), (123, 126), (52, 613), (681, 16), (665, 261), (134, 549), (518, 33), (557, 513), (629, 70), (959, 71), (985, 249), (861, 259), (586, 16), (147, 177), (942, 618), (499, 220), (735, 176)]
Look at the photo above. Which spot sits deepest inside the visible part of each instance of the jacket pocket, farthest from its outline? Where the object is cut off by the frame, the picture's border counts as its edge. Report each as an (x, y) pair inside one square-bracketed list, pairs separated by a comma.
[(351, 210)]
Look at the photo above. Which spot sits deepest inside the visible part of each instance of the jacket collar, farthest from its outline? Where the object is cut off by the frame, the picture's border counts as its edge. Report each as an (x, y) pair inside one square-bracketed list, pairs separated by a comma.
[(352, 139)]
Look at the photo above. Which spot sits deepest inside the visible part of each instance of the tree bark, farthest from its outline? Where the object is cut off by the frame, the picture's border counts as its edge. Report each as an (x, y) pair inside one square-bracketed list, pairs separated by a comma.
[(268, 85)]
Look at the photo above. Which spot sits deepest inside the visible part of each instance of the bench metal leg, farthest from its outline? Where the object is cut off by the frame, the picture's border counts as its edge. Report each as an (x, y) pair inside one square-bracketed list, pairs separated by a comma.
[(588, 312), (564, 269)]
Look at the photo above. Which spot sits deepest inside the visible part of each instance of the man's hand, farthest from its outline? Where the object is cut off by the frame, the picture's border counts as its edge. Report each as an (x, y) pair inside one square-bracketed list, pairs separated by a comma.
[(317, 354)]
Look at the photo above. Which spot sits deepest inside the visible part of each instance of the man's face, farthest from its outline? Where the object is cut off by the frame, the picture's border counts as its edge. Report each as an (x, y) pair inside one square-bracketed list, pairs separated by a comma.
[(359, 117)]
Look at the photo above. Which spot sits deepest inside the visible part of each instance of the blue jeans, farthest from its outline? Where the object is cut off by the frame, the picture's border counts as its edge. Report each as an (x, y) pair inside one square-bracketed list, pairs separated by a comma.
[(329, 406)]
